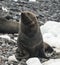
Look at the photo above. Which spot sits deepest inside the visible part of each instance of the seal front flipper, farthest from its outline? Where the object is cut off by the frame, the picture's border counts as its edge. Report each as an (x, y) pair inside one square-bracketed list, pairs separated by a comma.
[(20, 55), (48, 50)]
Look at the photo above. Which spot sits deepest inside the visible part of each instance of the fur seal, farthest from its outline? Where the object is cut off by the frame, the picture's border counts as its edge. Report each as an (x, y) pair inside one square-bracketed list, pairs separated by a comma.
[(8, 26), (30, 42)]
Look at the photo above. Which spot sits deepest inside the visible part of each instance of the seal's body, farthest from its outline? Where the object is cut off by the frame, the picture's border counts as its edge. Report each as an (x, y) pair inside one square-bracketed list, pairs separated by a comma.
[(30, 42)]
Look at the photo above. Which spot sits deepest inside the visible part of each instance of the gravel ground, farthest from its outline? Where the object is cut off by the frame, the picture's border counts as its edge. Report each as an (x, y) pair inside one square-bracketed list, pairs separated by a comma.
[(11, 10), (44, 9)]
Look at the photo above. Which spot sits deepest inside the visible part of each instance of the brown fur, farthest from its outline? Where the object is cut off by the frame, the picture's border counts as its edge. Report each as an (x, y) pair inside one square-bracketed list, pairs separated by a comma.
[(30, 42)]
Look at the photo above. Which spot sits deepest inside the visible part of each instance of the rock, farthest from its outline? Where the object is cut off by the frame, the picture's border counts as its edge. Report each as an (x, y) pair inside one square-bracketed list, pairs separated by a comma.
[(12, 58), (14, 49), (15, 0), (5, 37), (52, 62), (4, 9), (57, 50), (6, 63), (32, 0), (33, 61), (15, 38), (51, 33)]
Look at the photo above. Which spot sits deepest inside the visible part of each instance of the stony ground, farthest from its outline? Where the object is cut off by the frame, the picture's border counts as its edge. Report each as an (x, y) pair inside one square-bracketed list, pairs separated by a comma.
[(7, 48), (11, 10), (45, 9)]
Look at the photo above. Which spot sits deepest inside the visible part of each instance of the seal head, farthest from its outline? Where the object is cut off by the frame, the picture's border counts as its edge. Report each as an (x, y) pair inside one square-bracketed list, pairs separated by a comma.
[(29, 24)]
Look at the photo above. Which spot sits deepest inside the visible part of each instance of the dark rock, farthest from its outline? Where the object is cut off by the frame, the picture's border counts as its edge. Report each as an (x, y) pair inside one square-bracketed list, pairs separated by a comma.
[(9, 17)]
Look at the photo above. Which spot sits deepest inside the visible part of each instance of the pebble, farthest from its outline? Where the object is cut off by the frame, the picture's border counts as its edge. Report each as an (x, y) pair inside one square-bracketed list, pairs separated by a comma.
[(12, 58), (7, 49)]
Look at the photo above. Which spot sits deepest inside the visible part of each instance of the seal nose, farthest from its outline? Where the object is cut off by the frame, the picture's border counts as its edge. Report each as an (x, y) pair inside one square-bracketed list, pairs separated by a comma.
[(22, 14)]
